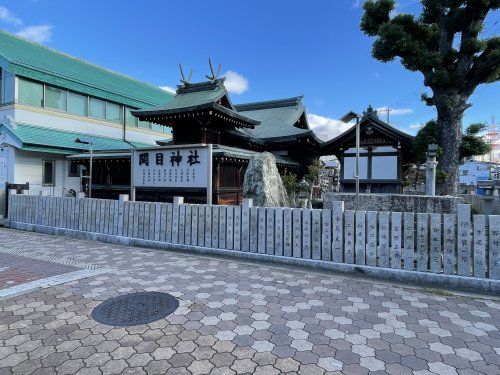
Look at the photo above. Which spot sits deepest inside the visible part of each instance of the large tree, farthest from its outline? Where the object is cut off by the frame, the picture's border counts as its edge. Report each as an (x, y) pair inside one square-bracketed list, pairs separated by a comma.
[(443, 44), (473, 143)]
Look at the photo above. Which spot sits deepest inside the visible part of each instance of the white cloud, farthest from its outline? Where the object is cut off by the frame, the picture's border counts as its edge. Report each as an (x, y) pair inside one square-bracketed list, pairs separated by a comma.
[(168, 89), (326, 128), (38, 34), (235, 83), (394, 111), (8, 17), (415, 126)]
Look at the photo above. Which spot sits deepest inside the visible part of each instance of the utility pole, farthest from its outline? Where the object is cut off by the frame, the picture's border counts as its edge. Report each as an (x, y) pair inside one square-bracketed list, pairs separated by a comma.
[(388, 111)]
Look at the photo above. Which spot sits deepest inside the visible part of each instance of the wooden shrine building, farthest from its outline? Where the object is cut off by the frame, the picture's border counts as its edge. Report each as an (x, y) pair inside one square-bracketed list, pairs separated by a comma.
[(202, 113), (383, 153)]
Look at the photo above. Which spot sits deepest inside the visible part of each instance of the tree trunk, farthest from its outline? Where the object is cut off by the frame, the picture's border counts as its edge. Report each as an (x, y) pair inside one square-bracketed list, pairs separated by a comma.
[(450, 111)]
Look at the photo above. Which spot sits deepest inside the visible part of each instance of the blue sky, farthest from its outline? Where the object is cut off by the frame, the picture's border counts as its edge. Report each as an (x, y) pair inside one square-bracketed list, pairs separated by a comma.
[(271, 49)]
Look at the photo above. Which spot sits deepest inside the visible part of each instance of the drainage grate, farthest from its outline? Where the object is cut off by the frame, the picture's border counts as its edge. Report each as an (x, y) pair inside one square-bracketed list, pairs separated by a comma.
[(135, 309)]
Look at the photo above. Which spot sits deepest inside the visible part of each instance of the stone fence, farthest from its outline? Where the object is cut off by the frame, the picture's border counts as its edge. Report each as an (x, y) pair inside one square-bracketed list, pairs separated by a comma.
[(395, 202), (453, 250)]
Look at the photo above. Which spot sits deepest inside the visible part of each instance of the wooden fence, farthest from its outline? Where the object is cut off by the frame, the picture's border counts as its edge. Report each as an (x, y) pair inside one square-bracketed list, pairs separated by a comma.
[(450, 244)]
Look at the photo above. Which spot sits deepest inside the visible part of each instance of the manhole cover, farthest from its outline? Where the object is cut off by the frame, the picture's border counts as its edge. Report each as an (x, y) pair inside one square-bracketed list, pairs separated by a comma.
[(135, 309)]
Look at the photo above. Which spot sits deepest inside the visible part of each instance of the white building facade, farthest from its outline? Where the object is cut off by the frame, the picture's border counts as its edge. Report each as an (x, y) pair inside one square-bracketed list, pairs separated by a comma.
[(48, 100)]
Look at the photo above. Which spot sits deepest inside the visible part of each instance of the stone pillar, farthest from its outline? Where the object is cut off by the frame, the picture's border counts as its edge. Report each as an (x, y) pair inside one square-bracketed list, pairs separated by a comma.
[(430, 171)]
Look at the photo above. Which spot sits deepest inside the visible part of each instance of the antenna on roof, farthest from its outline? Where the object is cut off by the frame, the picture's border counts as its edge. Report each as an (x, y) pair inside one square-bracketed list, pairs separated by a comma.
[(214, 75), (183, 78)]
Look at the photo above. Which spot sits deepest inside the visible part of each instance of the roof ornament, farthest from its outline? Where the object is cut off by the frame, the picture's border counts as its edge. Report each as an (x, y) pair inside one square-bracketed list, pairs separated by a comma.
[(183, 79), (214, 75)]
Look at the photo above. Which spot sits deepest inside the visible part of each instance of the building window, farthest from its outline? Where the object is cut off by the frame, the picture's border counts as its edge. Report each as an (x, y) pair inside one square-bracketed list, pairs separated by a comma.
[(113, 112), (30, 92), (129, 119), (385, 167), (97, 108), (73, 169), (55, 98), (48, 173), (77, 104)]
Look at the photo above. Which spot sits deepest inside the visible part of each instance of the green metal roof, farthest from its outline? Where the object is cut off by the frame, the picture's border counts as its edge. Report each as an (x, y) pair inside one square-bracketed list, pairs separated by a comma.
[(35, 61), (278, 119), (239, 153), (41, 139), (197, 96)]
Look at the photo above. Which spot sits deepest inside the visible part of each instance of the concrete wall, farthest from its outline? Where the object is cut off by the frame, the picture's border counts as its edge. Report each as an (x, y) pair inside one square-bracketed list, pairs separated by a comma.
[(483, 205), (395, 202)]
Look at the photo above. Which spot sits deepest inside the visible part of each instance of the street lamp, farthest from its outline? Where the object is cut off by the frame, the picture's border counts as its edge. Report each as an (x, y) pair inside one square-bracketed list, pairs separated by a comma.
[(348, 118), (88, 141)]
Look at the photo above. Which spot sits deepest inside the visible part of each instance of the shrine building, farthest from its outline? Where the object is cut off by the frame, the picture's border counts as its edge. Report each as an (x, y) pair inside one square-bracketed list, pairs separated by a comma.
[(202, 113)]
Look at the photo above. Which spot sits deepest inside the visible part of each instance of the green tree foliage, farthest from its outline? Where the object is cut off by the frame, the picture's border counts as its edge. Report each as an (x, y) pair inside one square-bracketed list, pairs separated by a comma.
[(473, 142), (290, 183), (312, 177), (443, 44)]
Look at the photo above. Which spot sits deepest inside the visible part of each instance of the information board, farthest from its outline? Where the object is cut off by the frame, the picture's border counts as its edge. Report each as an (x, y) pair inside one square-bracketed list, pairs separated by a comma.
[(171, 167)]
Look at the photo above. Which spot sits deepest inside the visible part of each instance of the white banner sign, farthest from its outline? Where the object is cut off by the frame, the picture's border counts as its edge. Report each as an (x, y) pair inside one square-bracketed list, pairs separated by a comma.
[(171, 167)]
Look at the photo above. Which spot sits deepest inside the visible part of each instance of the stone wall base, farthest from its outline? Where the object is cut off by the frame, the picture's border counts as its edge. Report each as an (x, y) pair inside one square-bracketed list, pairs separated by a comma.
[(415, 278)]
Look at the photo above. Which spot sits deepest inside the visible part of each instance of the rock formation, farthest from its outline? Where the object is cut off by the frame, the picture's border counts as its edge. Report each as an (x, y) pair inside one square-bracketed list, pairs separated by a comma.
[(263, 182)]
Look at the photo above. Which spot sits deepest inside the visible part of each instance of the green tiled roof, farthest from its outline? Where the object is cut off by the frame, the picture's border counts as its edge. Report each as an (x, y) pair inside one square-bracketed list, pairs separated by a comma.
[(197, 96), (41, 139), (32, 60), (221, 150), (278, 119)]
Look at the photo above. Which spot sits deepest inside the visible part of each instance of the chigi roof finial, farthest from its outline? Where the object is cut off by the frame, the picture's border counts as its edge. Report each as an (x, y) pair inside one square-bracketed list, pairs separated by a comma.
[(214, 76), (185, 81)]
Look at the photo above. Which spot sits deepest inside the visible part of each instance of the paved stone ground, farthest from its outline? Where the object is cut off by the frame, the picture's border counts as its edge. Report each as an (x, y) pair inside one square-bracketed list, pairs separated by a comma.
[(15, 270), (238, 318)]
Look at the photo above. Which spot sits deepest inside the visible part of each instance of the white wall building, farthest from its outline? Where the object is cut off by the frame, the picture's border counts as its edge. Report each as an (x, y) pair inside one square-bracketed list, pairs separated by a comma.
[(472, 171), (48, 99)]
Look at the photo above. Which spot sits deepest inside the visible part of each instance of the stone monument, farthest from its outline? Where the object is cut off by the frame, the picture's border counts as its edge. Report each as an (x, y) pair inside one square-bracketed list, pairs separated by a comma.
[(263, 183)]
